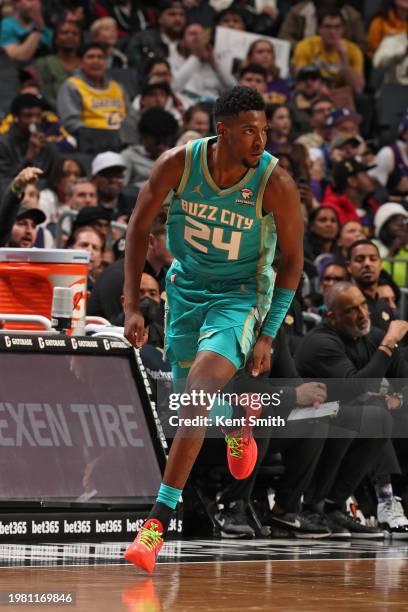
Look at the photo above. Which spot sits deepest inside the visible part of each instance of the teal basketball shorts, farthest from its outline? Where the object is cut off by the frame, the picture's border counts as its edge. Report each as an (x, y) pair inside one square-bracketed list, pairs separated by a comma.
[(209, 315)]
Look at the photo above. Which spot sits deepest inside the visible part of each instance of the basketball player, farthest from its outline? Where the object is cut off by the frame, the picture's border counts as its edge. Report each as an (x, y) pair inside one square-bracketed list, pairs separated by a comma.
[(230, 206)]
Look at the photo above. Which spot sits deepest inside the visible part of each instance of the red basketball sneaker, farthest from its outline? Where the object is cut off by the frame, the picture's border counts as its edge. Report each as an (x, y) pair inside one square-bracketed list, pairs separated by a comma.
[(146, 546), (242, 451)]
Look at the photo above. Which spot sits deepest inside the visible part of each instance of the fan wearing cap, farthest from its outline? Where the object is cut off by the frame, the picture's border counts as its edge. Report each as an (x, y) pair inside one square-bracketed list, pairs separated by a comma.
[(155, 94), (391, 233), (108, 170), (350, 193), (96, 217), (342, 121), (309, 87), (19, 220), (339, 60), (24, 144), (391, 164), (343, 146)]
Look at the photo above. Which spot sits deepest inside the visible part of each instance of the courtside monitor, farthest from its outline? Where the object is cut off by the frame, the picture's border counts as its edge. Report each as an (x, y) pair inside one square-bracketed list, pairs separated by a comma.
[(76, 424)]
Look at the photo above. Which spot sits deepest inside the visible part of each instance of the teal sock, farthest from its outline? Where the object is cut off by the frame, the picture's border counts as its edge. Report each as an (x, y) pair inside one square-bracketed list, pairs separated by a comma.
[(168, 496)]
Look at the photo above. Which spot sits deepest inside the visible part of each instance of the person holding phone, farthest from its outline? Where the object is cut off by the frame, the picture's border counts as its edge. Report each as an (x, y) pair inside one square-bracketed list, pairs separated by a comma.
[(25, 144)]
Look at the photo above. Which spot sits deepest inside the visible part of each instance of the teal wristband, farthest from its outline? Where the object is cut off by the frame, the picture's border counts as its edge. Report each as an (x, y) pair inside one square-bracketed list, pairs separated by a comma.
[(281, 301)]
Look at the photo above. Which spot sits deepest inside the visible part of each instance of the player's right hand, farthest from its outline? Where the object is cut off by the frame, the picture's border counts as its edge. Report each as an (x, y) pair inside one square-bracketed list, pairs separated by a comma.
[(135, 328)]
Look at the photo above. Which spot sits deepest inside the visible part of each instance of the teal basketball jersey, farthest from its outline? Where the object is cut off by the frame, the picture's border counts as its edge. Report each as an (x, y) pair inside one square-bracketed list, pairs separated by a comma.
[(221, 233)]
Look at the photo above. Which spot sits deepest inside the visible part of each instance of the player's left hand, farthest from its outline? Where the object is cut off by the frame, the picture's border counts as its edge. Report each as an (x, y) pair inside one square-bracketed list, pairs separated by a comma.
[(260, 361)]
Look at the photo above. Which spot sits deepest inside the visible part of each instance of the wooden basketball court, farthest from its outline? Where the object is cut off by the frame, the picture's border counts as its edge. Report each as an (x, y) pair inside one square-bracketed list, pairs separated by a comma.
[(213, 575)]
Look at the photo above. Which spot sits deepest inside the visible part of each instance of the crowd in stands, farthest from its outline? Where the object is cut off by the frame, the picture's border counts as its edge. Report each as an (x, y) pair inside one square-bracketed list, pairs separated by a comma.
[(95, 91)]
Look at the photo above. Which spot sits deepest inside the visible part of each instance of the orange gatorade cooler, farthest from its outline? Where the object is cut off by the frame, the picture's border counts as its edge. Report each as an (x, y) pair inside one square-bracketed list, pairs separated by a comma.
[(28, 278)]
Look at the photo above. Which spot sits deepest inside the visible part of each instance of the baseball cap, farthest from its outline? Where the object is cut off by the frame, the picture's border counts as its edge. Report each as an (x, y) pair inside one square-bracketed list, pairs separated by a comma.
[(35, 214), (106, 160), (90, 214), (166, 5), (346, 168), (308, 72), (385, 212), (338, 115), (342, 139)]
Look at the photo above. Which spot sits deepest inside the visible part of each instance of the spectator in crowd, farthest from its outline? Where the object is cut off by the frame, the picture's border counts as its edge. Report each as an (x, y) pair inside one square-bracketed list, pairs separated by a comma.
[(350, 196), (279, 126), (262, 52), (151, 308), (392, 18), (301, 21), (30, 200), (342, 121), (200, 75), (231, 17), (105, 299), (19, 219), (157, 70), (253, 76), (96, 217), (391, 233), (105, 32), (54, 194), (309, 87), (162, 41), (388, 294), (331, 273), (24, 34), (90, 99), (25, 144), (391, 164), (345, 347), (158, 130), (129, 16), (80, 192), (364, 266), (197, 119), (322, 232), (320, 109), (67, 10), (25, 228), (299, 449), (343, 146), (52, 70), (51, 127), (350, 231), (392, 59), (108, 176), (88, 239), (339, 60), (391, 229), (155, 94)]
